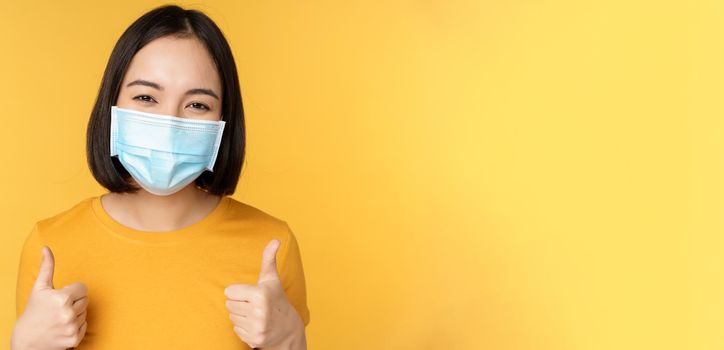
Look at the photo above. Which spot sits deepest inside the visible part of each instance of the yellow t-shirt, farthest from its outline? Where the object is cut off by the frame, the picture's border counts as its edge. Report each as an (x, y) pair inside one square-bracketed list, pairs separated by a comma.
[(161, 290)]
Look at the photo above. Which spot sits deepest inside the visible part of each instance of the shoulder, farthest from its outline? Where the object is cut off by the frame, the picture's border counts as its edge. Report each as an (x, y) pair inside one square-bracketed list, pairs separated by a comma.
[(78, 212), (52, 229), (266, 226), (251, 215)]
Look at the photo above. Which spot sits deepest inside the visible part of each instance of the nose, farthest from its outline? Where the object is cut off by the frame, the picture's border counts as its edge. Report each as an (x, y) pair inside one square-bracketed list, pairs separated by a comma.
[(173, 108)]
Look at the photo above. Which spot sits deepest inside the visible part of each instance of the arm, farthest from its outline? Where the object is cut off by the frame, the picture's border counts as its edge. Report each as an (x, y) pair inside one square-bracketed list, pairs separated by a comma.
[(293, 281), (272, 313), (47, 318)]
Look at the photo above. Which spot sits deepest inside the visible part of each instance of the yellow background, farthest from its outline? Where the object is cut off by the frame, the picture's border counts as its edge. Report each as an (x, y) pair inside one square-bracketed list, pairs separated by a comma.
[(460, 174)]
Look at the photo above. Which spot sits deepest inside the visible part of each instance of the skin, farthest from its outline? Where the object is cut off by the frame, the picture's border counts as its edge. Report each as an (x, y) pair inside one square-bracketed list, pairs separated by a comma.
[(176, 65), (260, 313), (53, 318)]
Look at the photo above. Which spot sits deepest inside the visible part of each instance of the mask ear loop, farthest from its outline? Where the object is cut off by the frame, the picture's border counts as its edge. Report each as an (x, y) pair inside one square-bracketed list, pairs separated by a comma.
[(217, 143), (114, 131)]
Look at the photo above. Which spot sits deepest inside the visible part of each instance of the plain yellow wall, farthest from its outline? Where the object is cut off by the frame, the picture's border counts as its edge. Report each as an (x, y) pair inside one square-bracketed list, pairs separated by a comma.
[(460, 174)]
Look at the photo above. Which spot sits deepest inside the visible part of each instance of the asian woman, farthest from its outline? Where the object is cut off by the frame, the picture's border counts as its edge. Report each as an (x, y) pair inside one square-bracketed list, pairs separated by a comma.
[(166, 259)]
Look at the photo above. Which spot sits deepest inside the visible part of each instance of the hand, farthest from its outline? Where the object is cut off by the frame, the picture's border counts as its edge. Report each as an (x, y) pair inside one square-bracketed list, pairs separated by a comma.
[(261, 314), (53, 318)]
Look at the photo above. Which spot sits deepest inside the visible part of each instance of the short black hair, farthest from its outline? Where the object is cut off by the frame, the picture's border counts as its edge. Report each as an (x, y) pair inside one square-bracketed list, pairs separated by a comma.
[(158, 22)]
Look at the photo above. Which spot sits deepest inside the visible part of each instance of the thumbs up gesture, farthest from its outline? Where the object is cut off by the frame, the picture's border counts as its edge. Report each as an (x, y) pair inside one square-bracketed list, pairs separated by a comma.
[(261, 314), (53, 318)]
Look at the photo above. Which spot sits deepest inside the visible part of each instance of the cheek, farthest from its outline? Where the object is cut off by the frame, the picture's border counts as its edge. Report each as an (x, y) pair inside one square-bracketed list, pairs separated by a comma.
[(215, 118)]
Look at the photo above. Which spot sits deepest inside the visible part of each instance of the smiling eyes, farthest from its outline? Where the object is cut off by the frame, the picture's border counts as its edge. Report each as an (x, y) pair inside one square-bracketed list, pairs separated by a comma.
[(199, 105)]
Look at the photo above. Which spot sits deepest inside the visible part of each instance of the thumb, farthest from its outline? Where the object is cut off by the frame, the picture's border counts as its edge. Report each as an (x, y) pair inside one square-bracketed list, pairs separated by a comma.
[(269, 262), (45, 274)]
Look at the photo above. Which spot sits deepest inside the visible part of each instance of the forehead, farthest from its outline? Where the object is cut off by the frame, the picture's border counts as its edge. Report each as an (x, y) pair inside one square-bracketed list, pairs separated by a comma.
[(174, 63)]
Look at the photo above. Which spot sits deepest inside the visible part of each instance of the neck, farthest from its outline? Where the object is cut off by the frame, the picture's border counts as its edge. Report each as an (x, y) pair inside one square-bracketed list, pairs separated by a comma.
[(148, 212)]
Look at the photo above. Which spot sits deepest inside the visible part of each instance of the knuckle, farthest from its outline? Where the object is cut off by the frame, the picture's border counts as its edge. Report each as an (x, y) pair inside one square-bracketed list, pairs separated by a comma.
[(74, 285), (262, 297), (260, 337), (238, 332), (70, 330), (75, 339), (260, 315), (229, 304), (66, 316), (78, 322), (258, 298), (61, 298)]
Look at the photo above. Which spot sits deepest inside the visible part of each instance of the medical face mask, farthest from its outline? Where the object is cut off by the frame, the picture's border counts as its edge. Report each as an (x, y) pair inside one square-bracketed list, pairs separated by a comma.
[(164, 153)]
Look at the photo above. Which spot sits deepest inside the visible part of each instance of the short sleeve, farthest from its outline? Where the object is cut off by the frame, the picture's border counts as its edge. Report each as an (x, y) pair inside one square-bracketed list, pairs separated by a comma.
[(292, 275), (30, 257)]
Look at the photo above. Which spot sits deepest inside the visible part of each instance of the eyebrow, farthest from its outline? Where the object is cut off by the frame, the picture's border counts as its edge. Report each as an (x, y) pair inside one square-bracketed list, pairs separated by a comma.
[(196, 91)]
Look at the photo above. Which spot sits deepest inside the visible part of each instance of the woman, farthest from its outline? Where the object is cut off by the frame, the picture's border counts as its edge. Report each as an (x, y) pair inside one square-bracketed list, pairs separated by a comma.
[(165, 259)]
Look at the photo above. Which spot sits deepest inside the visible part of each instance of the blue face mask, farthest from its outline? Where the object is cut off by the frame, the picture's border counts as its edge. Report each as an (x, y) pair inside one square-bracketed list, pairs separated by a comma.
[(164, 153)]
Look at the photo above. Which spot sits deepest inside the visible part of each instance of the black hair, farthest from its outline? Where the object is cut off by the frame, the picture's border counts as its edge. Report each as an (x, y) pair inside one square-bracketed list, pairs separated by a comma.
[(162, 21)]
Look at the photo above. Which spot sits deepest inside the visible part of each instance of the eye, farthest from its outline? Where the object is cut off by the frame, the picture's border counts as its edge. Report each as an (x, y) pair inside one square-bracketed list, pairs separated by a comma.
[(143, 99), (199, 106)]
